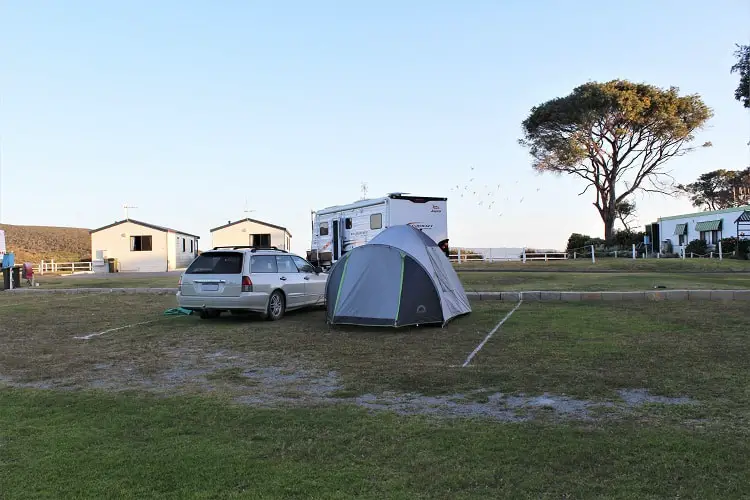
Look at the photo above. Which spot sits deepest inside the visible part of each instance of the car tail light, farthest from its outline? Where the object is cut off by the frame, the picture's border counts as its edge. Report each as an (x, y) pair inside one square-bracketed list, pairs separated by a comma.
[(247, 284), (179, 284)]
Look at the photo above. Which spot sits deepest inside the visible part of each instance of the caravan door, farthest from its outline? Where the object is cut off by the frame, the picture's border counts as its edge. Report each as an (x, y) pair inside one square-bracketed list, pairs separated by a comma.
[(336, 240)]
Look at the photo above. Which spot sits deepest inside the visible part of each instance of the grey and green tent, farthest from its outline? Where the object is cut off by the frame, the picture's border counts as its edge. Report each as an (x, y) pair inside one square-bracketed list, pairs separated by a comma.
[(401, 277)]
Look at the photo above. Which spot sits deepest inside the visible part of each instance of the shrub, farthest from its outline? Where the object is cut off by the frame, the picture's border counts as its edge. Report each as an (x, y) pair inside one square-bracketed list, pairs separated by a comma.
[(577, 240), (742, 248), (698, 247), (728, 245), (627, 238)]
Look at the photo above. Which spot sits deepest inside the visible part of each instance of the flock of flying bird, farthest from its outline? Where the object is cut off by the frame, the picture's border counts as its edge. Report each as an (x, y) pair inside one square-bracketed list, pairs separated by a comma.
[(470, 190)]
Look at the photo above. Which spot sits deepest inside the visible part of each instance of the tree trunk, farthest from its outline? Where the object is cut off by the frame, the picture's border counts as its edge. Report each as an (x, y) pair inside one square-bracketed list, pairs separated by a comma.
[(609, 228)]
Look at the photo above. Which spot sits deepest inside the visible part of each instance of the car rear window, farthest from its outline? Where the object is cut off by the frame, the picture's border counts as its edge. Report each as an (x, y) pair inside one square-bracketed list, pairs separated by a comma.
[(263, 264), (216, 263)]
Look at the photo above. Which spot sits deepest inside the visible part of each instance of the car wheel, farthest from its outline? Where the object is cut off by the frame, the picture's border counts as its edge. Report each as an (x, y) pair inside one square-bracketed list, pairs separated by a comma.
[(276, 306)]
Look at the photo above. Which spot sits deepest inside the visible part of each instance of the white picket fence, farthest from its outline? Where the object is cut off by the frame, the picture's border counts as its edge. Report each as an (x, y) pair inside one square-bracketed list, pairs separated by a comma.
[(465, 254), (53, 267)]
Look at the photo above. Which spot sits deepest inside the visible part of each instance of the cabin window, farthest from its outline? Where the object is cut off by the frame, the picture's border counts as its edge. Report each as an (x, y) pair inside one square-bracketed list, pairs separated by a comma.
[(140, 243), (683, 239), (183, 244), (710, 237), (260, 240), (348, 222), (191, 246), (376, 221), (323, 229)]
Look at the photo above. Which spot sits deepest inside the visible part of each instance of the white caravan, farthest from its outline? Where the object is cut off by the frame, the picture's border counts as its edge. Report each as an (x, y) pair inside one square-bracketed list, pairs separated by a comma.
[(337, 230)]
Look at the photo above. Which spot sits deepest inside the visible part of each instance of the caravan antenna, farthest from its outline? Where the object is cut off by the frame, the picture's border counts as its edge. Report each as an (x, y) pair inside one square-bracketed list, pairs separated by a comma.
[(363, 187)]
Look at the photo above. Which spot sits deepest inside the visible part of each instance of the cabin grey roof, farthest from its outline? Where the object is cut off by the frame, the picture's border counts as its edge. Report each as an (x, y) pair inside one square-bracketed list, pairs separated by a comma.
[(144, 224), (256, 221)]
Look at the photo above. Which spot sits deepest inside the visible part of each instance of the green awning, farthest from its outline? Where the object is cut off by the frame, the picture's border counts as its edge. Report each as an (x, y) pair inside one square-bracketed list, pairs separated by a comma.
[(745, 217), (680, 229), (709, 225)]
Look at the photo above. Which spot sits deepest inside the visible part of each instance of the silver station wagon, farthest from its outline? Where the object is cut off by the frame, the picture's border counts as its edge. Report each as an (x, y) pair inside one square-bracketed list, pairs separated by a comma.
[(248, 279)]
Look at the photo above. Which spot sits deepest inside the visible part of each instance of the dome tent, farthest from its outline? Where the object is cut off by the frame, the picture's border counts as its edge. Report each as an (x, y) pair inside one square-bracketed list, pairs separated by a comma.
[(400, 278)]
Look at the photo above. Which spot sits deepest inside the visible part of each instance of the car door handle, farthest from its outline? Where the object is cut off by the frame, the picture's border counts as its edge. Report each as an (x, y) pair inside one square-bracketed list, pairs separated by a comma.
[(283, 278), (307, 277)]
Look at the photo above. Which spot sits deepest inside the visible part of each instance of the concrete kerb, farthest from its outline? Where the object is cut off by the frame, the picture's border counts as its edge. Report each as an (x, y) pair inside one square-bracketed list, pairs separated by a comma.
[(93, 290), (530, 296)]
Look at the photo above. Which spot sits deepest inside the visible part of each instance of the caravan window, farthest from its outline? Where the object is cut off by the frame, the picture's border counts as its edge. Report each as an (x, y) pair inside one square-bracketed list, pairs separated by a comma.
[(376, 221), (323, 229), (348, 222)]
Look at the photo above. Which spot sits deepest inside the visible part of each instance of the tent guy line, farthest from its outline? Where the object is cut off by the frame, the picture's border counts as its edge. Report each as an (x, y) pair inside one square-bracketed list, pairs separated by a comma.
[(91, 335), (489, 335)]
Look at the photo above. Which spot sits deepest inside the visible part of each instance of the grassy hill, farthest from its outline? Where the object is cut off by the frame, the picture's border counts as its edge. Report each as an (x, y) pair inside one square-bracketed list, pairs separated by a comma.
[(35, 243)]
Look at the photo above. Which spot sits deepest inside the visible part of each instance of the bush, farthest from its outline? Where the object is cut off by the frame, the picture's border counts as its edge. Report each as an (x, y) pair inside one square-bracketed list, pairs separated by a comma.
[(743, 249), (577, 240), (627, 238), (698, 247), (728, 245), (740, 248)]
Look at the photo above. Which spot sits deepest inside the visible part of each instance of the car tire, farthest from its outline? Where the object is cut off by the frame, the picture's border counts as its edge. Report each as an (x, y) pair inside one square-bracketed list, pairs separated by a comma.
[(276, 306)]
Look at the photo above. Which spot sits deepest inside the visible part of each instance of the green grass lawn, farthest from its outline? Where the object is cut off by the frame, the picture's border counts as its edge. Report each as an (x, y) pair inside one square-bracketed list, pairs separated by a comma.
[(240, 407), (632, 281), (77, 445), (491, 281), (619, 264), (108, 281)]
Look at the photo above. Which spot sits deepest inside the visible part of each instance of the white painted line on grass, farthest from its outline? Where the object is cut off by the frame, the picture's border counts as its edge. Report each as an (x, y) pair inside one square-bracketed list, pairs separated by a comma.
[(479, 347), (91, 335)]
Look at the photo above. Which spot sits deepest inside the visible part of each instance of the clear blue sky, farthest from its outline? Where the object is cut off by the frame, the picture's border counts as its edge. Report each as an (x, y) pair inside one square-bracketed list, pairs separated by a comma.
[(187, 108)]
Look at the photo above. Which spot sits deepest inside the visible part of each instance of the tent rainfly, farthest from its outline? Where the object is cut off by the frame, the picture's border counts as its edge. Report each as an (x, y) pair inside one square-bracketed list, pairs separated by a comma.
[(400, 278)]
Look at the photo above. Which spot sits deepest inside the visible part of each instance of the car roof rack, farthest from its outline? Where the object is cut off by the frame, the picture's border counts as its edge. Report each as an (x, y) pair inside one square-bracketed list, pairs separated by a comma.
[(250, 247)]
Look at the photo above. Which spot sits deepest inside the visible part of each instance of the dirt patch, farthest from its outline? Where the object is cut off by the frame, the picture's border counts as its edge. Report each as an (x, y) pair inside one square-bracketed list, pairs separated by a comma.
[(512, 408), (251, 380)]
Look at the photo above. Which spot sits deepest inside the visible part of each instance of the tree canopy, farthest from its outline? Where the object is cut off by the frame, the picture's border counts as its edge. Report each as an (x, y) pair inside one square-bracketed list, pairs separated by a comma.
[(719, 189), (616, 136), (742, 92)]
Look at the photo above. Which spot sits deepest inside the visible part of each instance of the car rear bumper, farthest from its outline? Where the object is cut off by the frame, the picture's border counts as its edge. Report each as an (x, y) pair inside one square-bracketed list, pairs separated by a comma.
[(249, 301)]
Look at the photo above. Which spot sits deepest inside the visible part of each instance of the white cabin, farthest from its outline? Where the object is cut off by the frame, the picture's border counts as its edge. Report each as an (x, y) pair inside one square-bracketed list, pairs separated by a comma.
[(711, 226), (338, 229), (141, 247), (251, 232)]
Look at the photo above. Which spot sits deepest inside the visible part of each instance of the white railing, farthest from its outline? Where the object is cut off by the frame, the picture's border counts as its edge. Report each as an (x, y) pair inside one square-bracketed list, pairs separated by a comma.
[(62, 267), (545, 256), (465, 254)]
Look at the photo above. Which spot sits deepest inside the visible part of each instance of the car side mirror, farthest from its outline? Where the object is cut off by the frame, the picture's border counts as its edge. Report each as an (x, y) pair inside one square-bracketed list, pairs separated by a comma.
[(318, 269)]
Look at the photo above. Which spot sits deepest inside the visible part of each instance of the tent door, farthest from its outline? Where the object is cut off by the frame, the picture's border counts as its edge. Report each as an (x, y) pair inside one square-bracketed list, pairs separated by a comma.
[(336, 245)]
